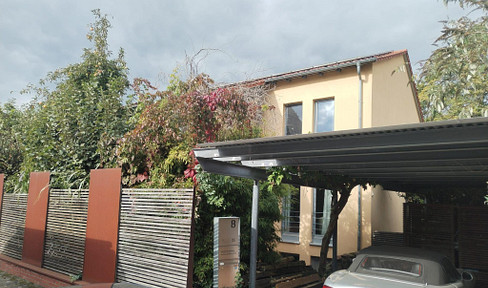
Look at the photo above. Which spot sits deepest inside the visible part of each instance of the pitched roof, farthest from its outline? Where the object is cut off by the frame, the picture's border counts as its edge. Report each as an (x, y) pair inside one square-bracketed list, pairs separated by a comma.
[(337, 66), (325, 67)]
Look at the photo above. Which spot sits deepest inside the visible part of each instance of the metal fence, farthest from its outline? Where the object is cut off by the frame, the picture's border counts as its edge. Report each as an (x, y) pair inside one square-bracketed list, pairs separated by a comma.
[(64, 246), (12, 224), (154, 237)]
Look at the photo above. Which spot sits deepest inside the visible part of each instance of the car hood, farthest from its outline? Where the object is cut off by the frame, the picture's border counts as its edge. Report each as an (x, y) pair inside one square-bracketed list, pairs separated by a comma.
[(347, 279)]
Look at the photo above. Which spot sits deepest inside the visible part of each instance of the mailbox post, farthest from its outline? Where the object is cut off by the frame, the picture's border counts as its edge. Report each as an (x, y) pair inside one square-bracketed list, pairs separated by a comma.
[(226, 251)]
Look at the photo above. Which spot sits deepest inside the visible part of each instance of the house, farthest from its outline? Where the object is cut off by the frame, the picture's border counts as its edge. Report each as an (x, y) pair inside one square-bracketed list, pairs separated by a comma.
[(356, 93)]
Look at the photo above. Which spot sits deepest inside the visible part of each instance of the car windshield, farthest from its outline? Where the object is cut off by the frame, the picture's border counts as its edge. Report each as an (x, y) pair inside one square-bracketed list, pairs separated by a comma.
[(386, 264)]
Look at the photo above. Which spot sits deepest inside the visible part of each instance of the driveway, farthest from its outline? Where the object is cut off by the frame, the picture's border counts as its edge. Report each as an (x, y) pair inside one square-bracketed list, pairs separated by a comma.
[(10, 281)]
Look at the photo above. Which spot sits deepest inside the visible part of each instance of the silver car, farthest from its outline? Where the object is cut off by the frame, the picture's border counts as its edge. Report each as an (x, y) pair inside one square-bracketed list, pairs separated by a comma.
[(401, 268)]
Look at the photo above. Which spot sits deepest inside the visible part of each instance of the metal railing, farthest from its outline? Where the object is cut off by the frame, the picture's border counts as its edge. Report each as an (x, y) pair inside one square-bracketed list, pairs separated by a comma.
[(320, 222), (291, 222)]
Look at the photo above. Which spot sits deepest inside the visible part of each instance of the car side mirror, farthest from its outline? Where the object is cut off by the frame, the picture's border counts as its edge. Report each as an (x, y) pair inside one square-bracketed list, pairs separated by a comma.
[(468, 279)]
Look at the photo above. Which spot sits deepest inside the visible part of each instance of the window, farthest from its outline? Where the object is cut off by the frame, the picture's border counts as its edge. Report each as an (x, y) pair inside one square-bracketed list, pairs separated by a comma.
[(290, 225), (324, 115), (392, 265), (293, 119), (321, 214)]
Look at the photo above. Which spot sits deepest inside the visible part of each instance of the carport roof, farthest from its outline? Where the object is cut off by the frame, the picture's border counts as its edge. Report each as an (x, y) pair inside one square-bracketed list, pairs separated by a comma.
[(402, 158)]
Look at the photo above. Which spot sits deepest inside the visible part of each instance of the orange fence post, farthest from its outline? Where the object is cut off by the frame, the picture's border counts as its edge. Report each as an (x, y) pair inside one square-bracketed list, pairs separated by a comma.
[(102, 225), (35, 218)]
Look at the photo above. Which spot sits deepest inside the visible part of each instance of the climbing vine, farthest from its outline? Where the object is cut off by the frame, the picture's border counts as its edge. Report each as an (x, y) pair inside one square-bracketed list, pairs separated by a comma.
[(169, 123)]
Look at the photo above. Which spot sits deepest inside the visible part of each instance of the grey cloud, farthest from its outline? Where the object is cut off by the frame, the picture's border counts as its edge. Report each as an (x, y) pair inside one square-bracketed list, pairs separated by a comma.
[(255, 38)]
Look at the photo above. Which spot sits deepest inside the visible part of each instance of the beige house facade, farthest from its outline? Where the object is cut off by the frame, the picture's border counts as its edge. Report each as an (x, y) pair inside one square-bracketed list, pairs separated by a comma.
[(356, 93)]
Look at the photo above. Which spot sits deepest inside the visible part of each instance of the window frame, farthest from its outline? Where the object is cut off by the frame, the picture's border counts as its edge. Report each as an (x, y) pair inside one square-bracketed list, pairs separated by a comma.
[(316, 114), (287, 236), (317, 238), (285, 117)]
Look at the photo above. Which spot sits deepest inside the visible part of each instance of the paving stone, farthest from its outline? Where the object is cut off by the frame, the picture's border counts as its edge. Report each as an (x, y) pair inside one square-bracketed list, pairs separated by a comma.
[(10, 281)]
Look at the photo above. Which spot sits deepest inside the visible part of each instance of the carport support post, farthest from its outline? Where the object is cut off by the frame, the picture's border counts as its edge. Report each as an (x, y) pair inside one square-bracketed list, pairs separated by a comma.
[(254, 234), (334, 236)]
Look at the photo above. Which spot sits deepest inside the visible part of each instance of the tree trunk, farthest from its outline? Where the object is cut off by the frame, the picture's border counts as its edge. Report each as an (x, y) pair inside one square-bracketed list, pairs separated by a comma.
[(334, 216)]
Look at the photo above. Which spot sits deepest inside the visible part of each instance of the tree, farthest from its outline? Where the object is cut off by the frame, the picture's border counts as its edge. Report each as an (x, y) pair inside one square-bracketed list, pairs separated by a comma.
[(156, 153), (11, 148), (168, 124), (74, 127), (453, 82)]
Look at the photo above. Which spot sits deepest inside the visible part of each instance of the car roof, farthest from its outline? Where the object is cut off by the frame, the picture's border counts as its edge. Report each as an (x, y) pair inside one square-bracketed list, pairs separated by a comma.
[(440, 270), (408, 252)]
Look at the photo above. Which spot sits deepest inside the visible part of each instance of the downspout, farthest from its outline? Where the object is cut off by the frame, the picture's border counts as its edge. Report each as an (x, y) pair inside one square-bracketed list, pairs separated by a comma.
[(360, 125), (360, 96)]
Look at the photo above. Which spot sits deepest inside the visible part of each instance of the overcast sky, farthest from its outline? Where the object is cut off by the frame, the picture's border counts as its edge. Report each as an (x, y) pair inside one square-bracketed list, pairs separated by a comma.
[(253, 38)]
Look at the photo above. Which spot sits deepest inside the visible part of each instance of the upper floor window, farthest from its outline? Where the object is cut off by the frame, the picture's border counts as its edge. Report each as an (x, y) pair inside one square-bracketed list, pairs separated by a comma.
[(293, 119), (324, 115)]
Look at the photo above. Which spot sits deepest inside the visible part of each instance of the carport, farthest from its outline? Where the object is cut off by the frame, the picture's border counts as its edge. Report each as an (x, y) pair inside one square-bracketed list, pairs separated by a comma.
[(407, 158)]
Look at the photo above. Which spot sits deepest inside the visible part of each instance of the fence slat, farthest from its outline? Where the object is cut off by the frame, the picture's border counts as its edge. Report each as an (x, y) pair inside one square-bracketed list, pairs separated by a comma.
[(65, 231), (431, 227), (154, 237), (12, 224)]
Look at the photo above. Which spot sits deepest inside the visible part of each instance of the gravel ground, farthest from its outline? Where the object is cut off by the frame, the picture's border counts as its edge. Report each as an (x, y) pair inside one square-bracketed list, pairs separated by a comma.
[(10, 281)]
